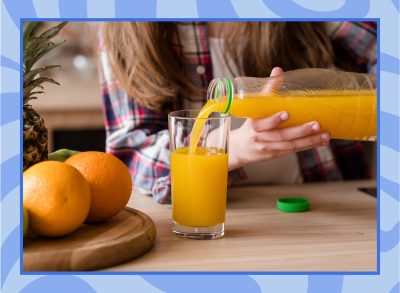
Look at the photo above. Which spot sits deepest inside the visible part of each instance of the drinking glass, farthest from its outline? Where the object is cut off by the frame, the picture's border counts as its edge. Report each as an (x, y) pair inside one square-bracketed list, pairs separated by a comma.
[(199, 173)]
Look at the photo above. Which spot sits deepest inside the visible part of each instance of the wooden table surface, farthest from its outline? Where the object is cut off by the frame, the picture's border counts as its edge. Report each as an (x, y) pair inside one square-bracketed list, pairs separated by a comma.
[(337, 234)]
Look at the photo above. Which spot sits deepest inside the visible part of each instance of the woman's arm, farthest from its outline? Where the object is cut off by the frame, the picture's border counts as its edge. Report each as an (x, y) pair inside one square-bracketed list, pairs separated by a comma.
[(139, 137), (136, 135)]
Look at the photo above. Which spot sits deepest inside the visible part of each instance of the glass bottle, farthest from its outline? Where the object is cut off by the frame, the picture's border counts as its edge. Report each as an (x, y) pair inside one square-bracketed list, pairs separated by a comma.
[(344, 103)]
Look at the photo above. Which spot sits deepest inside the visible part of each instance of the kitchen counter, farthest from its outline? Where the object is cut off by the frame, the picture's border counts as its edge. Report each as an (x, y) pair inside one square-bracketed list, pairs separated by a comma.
[(338, 233)]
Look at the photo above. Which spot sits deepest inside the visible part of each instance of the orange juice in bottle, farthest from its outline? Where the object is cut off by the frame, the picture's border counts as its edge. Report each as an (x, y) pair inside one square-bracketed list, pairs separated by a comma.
[(344, 103)]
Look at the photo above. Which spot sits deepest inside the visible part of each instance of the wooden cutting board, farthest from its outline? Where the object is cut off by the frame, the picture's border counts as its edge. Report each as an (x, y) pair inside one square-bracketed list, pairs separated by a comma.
[(121, 238)]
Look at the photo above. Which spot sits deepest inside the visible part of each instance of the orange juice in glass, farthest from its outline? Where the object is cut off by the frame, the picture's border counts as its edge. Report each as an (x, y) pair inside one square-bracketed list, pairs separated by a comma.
[(199, 174)]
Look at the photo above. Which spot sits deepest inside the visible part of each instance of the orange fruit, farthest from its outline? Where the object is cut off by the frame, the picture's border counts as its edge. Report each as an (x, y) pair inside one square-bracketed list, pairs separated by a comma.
[(25, 220), (109, 181), (57, 198)]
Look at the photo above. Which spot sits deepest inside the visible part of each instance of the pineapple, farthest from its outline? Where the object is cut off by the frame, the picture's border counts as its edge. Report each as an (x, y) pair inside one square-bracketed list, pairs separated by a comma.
[(36, 46)]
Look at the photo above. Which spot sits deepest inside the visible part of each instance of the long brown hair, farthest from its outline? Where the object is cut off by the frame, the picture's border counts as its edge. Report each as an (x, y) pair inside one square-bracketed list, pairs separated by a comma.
[(142, 57)]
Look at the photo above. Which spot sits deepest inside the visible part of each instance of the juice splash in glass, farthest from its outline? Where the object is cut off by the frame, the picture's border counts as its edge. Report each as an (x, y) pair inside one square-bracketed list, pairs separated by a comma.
[(199, 174)]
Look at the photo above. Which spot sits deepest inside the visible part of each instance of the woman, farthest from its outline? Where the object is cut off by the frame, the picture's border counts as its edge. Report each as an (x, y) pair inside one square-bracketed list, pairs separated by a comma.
[(151, 68)]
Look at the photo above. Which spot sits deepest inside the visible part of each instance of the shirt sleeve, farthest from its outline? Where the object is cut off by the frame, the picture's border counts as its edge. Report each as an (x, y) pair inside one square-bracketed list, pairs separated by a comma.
[(136, 135), (354, 45)]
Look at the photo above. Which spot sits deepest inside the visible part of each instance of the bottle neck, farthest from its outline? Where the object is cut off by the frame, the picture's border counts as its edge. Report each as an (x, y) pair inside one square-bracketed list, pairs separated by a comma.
[(221, 88)]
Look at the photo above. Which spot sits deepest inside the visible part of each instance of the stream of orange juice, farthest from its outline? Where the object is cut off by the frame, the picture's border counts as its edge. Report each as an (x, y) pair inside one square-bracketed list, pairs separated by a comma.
[(345, 114), (199, 186)]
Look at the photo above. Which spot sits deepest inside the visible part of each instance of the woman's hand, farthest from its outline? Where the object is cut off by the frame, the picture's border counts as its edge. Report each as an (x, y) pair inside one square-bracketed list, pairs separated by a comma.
[(260, 139)]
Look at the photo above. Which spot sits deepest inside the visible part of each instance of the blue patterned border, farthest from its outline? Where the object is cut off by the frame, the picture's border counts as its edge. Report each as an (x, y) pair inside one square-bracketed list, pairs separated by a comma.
[(389, 145)]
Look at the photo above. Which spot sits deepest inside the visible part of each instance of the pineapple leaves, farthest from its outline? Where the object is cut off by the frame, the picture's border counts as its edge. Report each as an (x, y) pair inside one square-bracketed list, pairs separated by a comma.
[(36, 45), (28, 76), (37, 82), (29, 29), (35, 93), (51, 33), (32, 59)]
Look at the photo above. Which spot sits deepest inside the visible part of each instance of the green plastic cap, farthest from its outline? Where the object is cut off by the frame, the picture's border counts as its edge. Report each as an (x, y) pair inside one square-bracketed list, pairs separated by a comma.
[(293, 204)]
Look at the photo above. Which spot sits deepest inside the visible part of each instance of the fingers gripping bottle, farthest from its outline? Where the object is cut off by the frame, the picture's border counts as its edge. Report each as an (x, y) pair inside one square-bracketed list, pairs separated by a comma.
[(344, 103)]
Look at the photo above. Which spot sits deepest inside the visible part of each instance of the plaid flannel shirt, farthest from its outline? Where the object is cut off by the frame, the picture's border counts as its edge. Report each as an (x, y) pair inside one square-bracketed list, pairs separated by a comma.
[(139, 136)]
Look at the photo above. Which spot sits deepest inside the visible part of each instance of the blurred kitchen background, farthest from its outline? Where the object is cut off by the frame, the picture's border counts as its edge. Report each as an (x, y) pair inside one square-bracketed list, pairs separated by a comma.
[(73, 110)]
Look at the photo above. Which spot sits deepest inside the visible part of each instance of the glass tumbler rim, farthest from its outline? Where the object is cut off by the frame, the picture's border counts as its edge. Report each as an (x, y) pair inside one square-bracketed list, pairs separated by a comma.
[(175, 115)]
